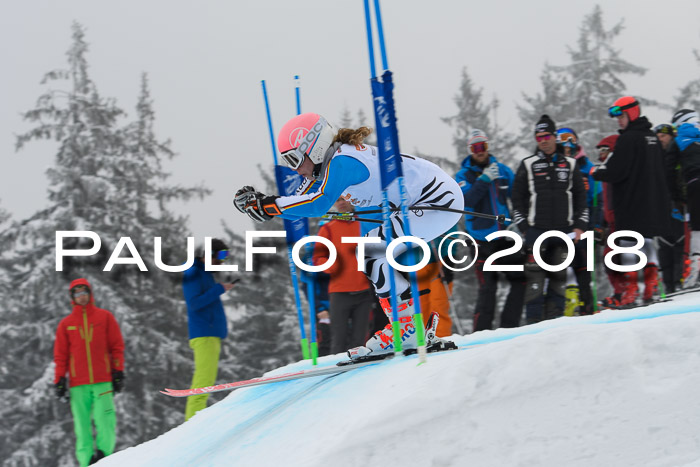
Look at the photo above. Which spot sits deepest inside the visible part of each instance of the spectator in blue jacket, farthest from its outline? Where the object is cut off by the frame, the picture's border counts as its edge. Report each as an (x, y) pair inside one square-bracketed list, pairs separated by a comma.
[(486, 185), (206, 322)]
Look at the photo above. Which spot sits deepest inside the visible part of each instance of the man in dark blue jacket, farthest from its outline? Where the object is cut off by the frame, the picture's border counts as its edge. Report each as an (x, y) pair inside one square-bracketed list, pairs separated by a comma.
[(206, 322), (486, 185)]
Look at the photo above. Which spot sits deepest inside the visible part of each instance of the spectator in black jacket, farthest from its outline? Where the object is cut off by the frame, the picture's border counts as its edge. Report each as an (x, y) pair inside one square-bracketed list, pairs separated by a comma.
[(548, 194), (672, 246), (641, 200)]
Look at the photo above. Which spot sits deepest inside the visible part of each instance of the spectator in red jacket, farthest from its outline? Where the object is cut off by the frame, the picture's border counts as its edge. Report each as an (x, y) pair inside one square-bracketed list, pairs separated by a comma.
[(351, 296), (89, 349)]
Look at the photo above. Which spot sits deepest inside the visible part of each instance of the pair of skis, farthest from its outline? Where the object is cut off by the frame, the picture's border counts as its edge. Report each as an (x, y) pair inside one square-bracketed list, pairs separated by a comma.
[(341, 367)]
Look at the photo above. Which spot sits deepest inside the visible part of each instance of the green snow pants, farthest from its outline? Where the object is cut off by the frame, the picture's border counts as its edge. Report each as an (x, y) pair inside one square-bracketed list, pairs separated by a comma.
[(206, 363), (93, 402)]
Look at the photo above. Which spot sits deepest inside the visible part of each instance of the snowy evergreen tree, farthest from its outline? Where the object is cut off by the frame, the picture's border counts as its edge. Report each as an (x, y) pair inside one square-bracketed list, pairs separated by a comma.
[(578, 95), (473, 112), (689, 95), (108, 179)]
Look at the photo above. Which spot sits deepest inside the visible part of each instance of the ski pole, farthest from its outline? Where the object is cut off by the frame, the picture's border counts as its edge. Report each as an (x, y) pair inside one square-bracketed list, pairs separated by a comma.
[(391, 172), (500, 218), (311, 284), (292, 268), (451, 310)]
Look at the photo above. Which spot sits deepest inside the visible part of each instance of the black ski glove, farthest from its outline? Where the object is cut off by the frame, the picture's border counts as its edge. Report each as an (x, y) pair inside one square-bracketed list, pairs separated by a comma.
[(117, 381), (256, 205), (61, 387)]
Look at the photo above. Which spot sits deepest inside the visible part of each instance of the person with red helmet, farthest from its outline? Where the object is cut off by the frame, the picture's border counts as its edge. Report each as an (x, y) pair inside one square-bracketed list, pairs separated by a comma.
[(641, 201), (337, 163), (89, 349)]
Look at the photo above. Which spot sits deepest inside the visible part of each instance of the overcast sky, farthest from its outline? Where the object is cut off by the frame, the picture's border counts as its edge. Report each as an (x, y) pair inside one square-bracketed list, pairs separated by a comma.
[(206, 58)]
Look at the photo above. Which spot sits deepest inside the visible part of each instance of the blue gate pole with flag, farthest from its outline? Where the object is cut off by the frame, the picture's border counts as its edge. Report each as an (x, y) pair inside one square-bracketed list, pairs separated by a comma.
[(310, 282), (296, 229), (391, 172)]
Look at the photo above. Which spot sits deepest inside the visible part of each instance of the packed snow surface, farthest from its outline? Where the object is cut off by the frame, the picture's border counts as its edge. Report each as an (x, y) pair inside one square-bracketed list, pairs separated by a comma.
[(620, 388)]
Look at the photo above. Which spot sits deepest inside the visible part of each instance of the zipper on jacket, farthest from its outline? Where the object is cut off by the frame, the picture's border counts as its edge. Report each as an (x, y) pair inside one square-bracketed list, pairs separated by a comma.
[(88, 338)]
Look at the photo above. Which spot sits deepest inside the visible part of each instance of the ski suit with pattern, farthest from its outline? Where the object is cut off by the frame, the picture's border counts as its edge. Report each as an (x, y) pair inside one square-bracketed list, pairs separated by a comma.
[(353, 172)]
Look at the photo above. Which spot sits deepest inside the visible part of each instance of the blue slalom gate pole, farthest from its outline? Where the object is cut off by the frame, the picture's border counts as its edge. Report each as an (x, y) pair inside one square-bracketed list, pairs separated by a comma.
[(292, 268), (311, 283), (391, 171)]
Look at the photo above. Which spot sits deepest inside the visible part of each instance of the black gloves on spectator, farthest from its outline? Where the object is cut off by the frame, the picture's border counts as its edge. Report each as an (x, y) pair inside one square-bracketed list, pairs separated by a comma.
[(61, 387), (117, 380)]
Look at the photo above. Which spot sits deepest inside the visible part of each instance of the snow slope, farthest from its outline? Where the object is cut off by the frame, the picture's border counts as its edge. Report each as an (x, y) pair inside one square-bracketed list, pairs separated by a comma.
[(621, 388)]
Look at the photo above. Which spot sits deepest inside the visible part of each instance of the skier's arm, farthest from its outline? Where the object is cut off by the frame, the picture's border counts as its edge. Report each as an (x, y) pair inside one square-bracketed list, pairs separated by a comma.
[(342, 172), (115, 343), (617, 166), (580, 201), (194, 297), (521, 198), (473, 192), (60, 353)]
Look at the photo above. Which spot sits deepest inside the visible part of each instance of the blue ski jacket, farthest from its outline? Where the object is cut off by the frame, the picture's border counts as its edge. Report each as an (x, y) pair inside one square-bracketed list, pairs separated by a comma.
[(484, 197), (205, 312)]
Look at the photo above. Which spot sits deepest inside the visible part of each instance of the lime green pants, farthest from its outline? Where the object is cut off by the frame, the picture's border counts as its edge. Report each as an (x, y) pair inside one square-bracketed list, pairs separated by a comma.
[(93, 402), (206, 363)]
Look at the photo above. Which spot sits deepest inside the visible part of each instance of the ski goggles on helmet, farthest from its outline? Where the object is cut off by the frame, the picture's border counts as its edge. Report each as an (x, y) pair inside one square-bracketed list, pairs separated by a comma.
[(540, 138), (221, 255), (617, 110), (567, 137), (293, 158), (479, 147)]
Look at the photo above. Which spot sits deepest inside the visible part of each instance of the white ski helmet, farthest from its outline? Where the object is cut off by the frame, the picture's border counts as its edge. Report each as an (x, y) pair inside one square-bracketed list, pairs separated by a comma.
[(307, 134), (684, 116)]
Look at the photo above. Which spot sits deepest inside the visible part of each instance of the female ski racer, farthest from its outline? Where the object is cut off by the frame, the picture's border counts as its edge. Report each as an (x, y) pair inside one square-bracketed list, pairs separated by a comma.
[(336, 163)]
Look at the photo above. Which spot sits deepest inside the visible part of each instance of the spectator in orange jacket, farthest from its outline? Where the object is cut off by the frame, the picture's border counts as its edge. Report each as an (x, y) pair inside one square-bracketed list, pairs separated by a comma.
[(351, 296), (89, 349)]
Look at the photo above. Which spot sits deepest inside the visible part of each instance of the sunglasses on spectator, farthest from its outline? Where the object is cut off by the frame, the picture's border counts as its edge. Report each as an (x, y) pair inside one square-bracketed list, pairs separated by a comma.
[(221, 255), (479, 147), (80, 293), (603, 150), (541, 138), (618, 110)]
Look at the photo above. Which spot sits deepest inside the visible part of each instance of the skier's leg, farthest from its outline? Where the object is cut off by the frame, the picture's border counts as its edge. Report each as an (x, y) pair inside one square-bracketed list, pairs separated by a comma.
[(104, 417), (359, 315), (81, 405), (555, 300), (425, 225), (513, 308), (341, 306), (206, 363)]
